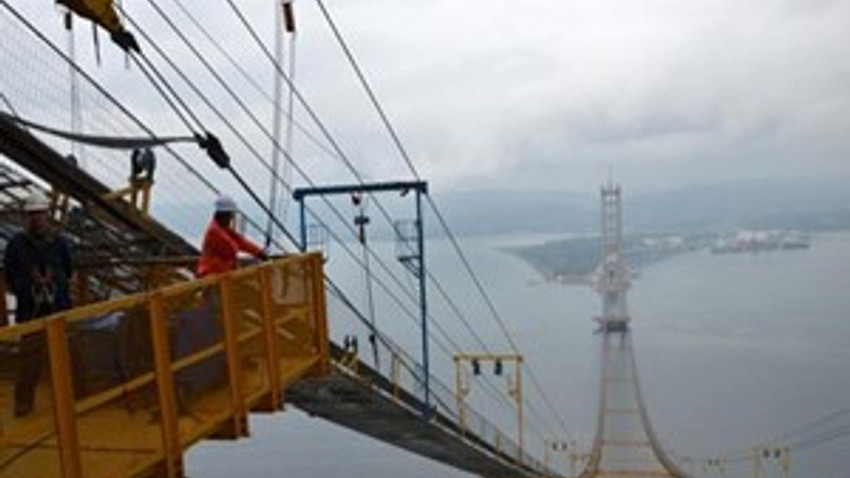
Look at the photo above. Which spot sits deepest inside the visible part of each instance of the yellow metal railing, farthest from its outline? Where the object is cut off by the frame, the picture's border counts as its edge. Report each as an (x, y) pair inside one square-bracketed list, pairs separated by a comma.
[(122, 388)]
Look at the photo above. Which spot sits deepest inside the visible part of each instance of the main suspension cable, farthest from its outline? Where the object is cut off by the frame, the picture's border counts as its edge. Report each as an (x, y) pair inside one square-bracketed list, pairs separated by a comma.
[(307, 107), (406, 157)]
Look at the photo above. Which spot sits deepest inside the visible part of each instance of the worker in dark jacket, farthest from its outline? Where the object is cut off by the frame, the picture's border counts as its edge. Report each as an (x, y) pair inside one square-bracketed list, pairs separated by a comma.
[(38, 268)]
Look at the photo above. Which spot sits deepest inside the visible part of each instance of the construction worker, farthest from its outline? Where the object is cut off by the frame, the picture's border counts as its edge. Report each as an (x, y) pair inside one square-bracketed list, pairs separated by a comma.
[(199, 327), (222, 243), (38, 267)]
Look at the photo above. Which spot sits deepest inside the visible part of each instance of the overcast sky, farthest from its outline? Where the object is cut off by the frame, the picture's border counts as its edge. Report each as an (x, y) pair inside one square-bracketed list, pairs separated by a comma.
[(549, 94), (544, 94)]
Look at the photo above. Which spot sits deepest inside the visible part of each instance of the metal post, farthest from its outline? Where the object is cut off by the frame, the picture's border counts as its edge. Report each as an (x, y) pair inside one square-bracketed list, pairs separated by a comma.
[(462, 388), (320, 312), (4, 307), (278, 88), (514, 388), (551, 448), (238, 426), (275, 395), (172, 466), (519, 404), (459, 395), (303, 225), (423, 304)]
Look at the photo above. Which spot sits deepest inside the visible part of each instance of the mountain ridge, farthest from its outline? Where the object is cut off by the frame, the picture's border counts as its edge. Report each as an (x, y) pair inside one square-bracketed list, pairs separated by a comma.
[(820, 203)]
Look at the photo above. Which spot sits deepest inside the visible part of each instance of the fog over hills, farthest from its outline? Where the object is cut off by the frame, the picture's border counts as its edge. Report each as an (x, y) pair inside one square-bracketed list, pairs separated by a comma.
[(805, 204), (781, 204)]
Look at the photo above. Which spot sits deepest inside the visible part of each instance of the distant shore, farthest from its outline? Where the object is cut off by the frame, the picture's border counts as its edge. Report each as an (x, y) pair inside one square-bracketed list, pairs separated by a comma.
[(573, 260)]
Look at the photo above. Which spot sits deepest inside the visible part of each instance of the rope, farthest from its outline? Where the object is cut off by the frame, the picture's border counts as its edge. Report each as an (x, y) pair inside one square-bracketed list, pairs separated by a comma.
[(278, 44), (279, 55), (102, 141)]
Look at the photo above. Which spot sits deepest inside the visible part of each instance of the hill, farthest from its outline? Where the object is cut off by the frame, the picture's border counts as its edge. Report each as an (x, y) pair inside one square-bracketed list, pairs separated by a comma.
[(788, 204)]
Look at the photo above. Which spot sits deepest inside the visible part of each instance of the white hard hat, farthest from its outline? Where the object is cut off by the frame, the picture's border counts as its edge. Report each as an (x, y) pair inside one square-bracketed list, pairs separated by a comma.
[(225, 204), (36, 202)]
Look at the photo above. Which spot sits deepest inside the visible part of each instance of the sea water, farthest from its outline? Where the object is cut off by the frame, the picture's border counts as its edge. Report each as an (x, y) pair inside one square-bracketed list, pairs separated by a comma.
[(735, 353)]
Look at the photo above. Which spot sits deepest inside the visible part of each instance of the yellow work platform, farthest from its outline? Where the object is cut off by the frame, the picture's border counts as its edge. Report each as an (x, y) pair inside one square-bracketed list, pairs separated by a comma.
[(123, 387)]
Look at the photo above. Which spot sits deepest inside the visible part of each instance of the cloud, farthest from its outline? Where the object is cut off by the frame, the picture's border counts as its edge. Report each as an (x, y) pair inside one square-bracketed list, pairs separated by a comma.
[(487, 90), (541, 94)]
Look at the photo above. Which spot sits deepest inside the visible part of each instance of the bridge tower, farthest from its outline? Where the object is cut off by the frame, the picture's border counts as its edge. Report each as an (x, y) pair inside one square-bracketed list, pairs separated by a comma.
[(611, 278), (625, 444)]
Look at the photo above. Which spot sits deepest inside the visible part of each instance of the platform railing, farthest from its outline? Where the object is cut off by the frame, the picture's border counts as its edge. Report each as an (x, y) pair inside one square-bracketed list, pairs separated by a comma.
[(121, 388), (405, 384)]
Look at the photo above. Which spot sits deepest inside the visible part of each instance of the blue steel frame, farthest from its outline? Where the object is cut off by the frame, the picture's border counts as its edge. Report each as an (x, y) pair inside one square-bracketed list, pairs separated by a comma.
[(421, 187)]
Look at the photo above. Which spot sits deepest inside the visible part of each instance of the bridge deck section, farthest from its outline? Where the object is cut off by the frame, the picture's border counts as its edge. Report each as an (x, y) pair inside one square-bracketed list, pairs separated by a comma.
[(358, 397), (625, 445)]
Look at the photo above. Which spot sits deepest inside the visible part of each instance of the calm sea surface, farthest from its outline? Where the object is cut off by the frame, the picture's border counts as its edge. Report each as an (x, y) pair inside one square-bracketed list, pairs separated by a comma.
[(733, 351)]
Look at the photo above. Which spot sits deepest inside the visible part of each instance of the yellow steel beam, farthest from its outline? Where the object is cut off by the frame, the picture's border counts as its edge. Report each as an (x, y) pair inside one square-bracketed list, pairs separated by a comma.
[(487, 357), (165, 389), (321, 340), (239, 418), (275, 400), (63, 398)]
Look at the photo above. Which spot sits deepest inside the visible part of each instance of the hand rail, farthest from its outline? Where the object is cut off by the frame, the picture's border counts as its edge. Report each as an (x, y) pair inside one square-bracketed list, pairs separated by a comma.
[(136, 380)]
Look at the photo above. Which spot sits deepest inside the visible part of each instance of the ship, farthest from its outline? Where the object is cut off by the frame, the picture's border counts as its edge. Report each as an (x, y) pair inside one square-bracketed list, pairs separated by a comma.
[(754, 241)]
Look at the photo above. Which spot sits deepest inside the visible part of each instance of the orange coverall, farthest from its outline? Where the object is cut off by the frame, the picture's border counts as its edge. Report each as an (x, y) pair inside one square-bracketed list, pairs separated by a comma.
[(220, 248)]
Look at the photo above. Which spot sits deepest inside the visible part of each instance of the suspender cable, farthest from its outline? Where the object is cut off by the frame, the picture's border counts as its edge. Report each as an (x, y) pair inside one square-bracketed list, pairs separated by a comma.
[(444, 225), (361, 220), (230, 126), (313, 115), (249, 79), (209, 103), (276, 114), (284, 23), (290, 109), (329, 138), (218, 113), (76, 113), (243, 106), (247, 187), (212, 144)]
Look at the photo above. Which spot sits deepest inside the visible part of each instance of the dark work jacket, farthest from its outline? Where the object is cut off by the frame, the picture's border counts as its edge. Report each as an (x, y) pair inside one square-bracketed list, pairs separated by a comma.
[(28, 258)]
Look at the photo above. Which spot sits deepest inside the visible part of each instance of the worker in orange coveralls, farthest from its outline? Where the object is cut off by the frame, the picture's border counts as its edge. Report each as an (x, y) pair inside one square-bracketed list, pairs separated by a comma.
[(222, 243)]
